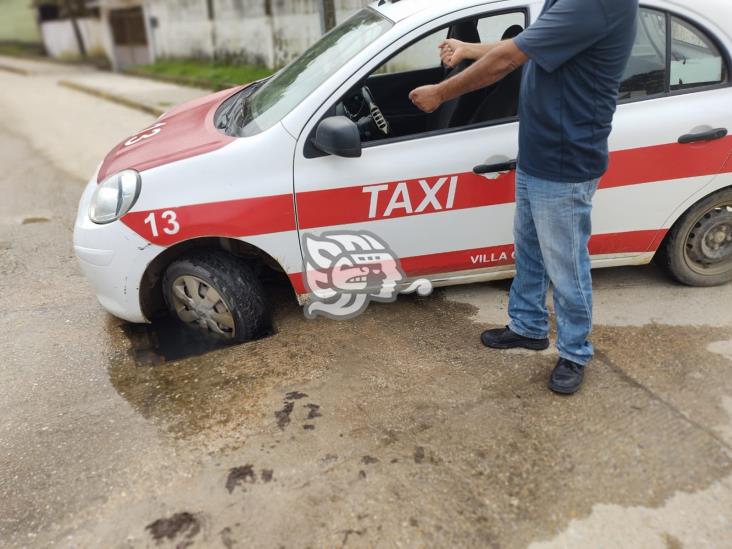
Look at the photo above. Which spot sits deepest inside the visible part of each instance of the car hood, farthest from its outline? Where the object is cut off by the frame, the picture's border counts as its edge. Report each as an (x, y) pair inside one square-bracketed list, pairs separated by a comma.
[(185, 131)]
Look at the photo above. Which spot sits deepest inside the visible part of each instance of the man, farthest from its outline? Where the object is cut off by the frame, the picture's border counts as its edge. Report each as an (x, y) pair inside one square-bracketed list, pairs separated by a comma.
[(575, 56)]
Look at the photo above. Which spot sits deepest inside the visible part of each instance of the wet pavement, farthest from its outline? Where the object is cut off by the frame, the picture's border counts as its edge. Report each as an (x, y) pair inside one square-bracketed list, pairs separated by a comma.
[(395, 429)]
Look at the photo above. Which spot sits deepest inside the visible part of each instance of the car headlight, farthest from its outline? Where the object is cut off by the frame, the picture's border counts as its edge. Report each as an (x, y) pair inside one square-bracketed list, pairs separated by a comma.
[(114, 197)]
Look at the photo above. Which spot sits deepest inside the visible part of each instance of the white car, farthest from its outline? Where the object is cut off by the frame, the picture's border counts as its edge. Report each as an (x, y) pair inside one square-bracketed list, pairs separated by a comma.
[(185, 214)]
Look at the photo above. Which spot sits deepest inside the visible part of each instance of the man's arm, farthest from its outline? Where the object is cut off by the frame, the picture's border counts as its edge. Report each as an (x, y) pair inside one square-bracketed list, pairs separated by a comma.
[(454, 51), (495, 65)]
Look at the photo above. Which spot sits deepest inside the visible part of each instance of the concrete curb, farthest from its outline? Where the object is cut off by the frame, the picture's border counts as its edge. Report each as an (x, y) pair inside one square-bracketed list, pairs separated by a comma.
[(15, 70), (181, 81), (113, 98)]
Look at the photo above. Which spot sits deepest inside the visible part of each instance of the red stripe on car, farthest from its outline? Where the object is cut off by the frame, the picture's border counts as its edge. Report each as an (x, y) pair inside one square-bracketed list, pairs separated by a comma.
[(324, 208), (371, 202), (501, 256), (232, 218)]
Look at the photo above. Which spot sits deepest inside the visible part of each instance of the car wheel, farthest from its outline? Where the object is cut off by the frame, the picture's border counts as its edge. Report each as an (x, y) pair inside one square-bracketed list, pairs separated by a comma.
[(698, 249), (216, 293)]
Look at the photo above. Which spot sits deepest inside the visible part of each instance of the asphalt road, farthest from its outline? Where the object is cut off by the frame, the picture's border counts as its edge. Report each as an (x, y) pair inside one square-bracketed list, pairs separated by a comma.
[(396, 429)]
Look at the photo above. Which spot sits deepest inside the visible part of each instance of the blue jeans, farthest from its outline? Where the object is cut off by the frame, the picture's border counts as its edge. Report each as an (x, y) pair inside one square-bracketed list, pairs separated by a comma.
[(552, 228)]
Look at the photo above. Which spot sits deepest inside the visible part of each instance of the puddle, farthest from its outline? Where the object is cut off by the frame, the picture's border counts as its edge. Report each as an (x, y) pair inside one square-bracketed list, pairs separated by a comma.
[(190, 383)]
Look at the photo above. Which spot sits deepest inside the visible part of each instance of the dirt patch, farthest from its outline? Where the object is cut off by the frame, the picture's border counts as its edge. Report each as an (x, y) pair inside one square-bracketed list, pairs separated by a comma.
[(314, 411), (239, 476), (181, 525), (283, 416)]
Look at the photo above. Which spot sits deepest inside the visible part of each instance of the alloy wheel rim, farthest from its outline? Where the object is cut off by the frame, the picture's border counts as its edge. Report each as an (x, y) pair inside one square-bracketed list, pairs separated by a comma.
[(200, 305)]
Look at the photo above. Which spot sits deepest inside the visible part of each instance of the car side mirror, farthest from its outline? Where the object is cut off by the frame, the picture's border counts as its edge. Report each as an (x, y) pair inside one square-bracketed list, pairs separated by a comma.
[(338, 135)]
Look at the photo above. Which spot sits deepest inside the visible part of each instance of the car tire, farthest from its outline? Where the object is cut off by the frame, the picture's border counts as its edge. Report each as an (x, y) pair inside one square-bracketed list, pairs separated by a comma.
[(698, 249), (240, 312)]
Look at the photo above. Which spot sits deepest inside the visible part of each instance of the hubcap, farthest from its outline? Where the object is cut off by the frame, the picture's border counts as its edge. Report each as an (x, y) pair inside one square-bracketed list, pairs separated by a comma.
[(709, 243), (197, 303)]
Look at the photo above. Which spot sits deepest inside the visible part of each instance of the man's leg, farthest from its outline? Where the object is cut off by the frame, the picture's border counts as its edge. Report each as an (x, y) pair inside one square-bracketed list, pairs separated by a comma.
[(527, 302), (562, 215)]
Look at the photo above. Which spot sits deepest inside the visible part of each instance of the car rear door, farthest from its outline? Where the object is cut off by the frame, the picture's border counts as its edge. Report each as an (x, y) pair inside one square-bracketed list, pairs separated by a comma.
[(669, 135)]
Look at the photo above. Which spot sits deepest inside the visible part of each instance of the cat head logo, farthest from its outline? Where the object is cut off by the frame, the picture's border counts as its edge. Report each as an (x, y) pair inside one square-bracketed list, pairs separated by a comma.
[(345, 271)]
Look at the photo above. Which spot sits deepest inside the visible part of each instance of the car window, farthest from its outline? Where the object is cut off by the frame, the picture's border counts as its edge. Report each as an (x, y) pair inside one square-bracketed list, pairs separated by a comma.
[(290, 86), (646, 71), (386, 89), (492, 29), (423, 53), (420, 55), (695, 60)]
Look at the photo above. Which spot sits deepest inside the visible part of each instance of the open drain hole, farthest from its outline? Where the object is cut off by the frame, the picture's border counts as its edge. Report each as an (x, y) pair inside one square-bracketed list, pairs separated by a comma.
[(167, 340)]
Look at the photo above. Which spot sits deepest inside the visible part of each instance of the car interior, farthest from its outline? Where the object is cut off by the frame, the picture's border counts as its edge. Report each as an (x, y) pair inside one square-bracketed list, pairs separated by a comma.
[(381, 108)]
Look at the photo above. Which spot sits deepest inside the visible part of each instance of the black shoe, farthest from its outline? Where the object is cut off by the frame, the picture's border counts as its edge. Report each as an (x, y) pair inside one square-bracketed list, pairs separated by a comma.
[(504, 338), (566, 378)]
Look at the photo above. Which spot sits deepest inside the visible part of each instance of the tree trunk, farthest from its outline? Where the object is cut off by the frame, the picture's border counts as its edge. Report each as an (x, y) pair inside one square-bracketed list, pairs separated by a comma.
[(327, 14), (70, 9)]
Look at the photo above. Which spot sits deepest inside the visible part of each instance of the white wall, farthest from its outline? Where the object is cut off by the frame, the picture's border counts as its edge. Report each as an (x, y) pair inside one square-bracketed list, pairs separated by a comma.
[(241, 29), (60, 41)]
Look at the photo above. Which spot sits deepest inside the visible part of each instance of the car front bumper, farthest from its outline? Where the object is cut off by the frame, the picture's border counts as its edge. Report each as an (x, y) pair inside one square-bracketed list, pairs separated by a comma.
[(114, 259)]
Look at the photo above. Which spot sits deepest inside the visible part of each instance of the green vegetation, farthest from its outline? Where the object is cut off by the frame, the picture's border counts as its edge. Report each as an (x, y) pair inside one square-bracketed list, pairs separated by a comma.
[(17, 22), (204, 74), (21, 49)]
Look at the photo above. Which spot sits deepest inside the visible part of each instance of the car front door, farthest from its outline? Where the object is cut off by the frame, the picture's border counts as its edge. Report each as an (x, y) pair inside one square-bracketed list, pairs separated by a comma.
[(417, 192)]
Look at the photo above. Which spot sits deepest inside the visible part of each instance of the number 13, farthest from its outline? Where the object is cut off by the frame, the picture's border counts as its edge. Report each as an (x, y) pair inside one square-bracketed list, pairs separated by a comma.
[(173, 227)]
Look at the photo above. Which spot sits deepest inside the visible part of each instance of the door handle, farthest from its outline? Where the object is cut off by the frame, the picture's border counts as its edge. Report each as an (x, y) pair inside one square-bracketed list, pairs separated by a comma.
[(495, 168), (709, 135)]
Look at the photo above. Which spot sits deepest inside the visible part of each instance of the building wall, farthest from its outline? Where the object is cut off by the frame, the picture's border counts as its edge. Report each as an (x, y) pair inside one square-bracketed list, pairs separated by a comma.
[(120, 57), (269, 32), (60, 41), (18, 22)]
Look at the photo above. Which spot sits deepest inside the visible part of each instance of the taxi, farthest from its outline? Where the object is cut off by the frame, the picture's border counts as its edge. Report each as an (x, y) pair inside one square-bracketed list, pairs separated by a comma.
[(188, 214)]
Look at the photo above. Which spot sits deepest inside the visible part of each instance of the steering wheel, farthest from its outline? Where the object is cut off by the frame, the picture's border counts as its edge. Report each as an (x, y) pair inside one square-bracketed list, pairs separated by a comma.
[(375, 112)]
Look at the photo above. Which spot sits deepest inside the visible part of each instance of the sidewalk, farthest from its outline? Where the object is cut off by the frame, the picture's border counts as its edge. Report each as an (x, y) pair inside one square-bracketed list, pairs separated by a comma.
[(150, 96), (32, 67)]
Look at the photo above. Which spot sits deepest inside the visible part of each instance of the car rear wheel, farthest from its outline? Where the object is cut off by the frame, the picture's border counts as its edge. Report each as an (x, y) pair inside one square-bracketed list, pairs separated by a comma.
[(698, 249), (216, 293)]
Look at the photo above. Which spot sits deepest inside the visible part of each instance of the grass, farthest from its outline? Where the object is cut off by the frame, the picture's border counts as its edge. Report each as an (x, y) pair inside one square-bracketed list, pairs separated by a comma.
[(21, 49), (206, 74)]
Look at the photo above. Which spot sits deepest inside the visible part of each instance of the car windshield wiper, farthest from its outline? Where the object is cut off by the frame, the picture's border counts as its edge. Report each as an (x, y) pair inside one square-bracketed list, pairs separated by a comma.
[(225, 117), (238, 108)]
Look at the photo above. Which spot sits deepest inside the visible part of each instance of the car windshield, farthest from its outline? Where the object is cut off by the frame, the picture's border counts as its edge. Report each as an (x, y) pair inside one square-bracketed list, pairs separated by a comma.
[(282, 93)]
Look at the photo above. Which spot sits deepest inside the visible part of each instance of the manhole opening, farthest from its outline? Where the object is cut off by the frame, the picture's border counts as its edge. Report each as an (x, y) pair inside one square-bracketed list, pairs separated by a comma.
[(167, 340)]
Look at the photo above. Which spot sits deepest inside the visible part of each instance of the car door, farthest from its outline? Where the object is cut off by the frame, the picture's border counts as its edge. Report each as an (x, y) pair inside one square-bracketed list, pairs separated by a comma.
[(669, 135), (417, 193)]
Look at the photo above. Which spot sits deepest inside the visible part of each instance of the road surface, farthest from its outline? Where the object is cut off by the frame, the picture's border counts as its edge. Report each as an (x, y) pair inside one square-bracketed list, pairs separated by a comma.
[(396, 429)]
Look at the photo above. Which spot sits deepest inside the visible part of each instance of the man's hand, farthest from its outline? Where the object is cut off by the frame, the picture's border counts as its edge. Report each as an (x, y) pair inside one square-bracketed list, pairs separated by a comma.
[(427, 98), (453, 51)]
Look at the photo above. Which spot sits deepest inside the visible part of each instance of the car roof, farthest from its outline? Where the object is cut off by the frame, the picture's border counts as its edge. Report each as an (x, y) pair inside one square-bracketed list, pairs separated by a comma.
[(719, 11), (397, 10)]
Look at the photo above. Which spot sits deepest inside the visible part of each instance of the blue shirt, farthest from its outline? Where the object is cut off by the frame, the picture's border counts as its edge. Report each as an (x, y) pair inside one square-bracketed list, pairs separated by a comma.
[(578, 51)]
